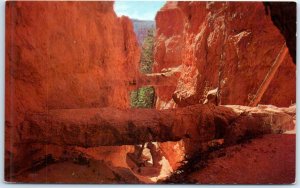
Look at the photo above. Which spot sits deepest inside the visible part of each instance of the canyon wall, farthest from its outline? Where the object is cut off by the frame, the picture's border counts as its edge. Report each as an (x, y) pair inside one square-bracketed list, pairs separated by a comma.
[(229, 46), (226, 45), (64, 55)]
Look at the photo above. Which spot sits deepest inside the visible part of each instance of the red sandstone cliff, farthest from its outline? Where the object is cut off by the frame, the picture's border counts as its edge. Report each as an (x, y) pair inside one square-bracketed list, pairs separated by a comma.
[(207, 45), (63, 55), (76, 56), (230, 46)]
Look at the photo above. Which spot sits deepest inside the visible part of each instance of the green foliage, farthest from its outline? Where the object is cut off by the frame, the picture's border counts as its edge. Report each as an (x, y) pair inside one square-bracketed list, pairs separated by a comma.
[(142, 97), (147, 52)]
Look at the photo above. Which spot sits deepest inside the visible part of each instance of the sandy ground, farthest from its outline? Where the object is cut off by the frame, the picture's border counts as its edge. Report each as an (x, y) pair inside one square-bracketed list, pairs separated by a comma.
[(68, 172), (266, 160)]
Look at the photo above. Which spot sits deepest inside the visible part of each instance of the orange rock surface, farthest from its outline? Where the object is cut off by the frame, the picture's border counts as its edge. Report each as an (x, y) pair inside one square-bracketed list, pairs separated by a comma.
[(229, 46), (80, 57), (267, 160), (63, 55)]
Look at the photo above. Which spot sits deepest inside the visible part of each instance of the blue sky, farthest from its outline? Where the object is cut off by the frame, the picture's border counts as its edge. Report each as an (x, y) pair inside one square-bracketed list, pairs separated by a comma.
[(142, 10)]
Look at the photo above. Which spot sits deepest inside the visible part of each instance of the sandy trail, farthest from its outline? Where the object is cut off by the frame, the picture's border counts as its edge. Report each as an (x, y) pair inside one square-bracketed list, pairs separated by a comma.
[(266, 160)]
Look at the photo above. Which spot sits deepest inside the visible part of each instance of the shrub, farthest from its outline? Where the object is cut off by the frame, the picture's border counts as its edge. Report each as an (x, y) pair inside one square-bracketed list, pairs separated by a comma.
[(143, 97)]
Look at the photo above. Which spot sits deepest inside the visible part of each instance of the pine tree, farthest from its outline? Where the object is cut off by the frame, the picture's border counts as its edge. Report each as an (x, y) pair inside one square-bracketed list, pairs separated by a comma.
[(147, 52), (144, 97)]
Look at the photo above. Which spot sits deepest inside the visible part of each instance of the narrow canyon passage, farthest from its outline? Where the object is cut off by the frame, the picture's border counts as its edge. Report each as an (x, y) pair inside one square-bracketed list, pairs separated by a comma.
[(188, 95)]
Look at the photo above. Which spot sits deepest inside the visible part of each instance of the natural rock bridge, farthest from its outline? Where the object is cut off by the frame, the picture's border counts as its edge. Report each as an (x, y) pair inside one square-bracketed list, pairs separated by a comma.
[(109, 126)]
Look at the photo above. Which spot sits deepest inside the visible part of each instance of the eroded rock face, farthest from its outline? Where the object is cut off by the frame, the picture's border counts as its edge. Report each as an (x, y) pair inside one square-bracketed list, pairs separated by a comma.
[(68, 61), (223, 47), (80, 56), (63, 55), (230, 46)]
